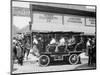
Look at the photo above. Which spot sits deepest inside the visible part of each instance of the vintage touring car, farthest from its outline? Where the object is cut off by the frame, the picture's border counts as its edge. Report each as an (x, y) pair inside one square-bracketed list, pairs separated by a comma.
[(69, 51)]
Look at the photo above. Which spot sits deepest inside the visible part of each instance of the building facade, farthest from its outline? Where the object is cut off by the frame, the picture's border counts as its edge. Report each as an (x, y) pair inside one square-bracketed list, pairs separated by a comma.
[(50, 18)]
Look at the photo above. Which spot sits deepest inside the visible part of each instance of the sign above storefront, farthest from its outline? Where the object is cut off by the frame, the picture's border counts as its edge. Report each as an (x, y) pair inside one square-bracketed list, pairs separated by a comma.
[(90, 21), (74, 20), (48, 18)]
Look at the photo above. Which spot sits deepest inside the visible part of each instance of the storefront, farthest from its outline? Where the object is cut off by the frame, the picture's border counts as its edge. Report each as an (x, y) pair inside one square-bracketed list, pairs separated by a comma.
[(49, 18)]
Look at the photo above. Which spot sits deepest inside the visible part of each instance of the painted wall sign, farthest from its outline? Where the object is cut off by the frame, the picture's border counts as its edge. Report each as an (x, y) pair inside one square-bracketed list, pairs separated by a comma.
[(74, 20), (90, 21), (49, 18), (20, 11)]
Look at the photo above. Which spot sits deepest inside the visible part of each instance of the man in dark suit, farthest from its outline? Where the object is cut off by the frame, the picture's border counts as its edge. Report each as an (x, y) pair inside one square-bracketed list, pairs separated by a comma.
[(93, 52), (89, 47)]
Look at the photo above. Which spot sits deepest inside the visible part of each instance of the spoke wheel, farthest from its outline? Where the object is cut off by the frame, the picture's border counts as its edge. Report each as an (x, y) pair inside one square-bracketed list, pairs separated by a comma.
[(44, 60), (73, 59)]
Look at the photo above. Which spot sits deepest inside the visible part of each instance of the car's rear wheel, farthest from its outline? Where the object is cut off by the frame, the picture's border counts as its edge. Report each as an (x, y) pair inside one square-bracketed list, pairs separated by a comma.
[(73, 59)]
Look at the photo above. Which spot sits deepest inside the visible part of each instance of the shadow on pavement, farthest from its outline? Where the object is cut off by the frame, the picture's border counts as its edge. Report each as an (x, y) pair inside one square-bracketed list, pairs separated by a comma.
[(56, 63)]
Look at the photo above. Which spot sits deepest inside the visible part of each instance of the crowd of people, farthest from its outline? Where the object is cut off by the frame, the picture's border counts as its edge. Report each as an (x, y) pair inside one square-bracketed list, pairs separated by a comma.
[(20, 48)]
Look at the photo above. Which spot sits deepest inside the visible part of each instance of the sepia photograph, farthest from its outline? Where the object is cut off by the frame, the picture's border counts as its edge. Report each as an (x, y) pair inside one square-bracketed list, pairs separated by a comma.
[(52, 37)]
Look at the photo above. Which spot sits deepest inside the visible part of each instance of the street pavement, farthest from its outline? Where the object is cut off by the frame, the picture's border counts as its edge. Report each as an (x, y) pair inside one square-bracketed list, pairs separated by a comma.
[(31, 65)]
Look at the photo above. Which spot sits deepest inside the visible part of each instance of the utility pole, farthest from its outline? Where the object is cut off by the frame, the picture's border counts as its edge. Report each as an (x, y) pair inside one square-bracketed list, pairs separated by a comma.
[(30, 29), (30, 26)]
